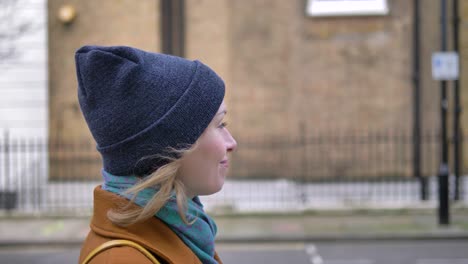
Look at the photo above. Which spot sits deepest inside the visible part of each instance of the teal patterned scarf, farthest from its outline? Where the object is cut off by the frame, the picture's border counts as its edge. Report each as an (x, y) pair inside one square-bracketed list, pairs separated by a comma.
[(199, 236)]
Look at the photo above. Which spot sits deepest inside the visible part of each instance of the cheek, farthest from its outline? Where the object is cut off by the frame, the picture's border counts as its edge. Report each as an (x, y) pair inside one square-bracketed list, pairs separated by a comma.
[(200, 171), (212, 150), (211, 146)]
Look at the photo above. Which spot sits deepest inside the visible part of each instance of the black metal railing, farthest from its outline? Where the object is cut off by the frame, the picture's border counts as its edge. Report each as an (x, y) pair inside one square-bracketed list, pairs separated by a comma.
[(267, 173), (335, 156)]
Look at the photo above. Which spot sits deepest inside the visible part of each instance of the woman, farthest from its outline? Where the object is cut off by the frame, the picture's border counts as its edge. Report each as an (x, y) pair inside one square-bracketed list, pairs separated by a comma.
[(158, 124)]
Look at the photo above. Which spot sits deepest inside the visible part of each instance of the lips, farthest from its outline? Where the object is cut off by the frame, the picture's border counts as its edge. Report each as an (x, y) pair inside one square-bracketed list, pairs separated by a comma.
[(225, 163)]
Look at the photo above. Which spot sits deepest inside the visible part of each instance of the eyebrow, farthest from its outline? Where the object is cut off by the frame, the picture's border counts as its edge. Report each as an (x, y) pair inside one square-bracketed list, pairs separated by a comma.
[(222, 112)]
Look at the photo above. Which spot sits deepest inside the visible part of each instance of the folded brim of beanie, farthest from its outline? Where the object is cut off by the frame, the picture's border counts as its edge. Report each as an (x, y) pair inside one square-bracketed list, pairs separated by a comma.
[(142, 153)]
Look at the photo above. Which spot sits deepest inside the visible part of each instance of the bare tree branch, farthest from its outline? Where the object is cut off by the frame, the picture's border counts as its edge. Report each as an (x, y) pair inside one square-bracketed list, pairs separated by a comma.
[(12, 27)]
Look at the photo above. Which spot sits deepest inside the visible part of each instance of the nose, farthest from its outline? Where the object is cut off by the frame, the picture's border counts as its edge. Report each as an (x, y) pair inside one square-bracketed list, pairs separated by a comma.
[(231, 143)]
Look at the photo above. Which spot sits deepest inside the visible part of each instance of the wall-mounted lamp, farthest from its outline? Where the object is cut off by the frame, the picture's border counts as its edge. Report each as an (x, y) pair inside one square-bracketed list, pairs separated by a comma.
[(66, 14)]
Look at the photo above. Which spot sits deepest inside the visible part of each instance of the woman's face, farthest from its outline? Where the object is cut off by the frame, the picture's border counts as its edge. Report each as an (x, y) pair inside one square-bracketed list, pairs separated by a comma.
[(203, 170)]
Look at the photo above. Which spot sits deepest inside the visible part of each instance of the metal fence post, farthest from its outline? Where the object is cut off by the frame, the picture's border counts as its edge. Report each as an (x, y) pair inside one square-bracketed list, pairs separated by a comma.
[(303, 143), (7, 159), (457, 107), (7, 196)]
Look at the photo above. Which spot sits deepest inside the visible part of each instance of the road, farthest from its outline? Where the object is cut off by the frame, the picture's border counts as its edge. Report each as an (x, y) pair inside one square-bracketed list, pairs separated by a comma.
[(357, 252)]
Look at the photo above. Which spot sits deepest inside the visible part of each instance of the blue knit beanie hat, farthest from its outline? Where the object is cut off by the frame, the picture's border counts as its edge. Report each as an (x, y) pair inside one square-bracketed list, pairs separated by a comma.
[(139, 104)]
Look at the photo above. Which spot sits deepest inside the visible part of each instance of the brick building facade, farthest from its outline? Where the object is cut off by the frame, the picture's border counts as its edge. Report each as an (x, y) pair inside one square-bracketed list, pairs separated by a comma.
[(286, 73)]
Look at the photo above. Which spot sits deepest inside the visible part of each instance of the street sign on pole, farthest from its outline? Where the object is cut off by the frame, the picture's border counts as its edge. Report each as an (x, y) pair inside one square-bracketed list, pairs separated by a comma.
[(445, 66)]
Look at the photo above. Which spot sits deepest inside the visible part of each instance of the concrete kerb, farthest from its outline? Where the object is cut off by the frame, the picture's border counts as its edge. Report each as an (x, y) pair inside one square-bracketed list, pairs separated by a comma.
[(257, 240), (340, 238), (27, 230)]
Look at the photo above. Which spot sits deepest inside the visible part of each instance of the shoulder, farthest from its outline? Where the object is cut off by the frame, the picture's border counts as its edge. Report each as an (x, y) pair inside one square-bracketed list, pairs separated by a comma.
[(120, 255), (116, 254)]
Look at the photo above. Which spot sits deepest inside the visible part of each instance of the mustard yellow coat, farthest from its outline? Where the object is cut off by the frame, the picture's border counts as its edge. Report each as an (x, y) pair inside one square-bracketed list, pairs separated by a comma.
[(153, 234)]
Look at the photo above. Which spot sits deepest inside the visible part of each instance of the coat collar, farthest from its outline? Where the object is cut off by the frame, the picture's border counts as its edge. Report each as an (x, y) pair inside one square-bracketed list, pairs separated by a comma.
[(152, 233)]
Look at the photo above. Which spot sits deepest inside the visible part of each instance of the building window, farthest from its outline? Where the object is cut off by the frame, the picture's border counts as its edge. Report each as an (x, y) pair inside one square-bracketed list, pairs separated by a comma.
[(346, 7)]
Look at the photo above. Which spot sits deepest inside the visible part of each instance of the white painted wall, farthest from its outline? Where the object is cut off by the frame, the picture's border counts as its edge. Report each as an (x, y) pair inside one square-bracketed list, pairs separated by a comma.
[(24, 78)]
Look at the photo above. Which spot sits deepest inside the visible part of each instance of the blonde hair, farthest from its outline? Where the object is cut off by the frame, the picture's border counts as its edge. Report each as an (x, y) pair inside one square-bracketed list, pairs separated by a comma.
[(166, 180)]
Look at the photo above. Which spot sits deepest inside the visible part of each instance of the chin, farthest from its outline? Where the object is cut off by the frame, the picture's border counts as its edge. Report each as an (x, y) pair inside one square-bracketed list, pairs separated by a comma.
[(220, 187), (216, 190)]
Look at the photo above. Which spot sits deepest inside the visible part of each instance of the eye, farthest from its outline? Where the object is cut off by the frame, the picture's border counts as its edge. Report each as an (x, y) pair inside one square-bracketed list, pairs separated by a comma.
[(223, 125)]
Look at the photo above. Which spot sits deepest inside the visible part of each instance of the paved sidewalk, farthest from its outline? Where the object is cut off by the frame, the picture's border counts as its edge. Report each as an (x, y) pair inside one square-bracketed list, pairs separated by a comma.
[(278, 227), (343, 225)]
